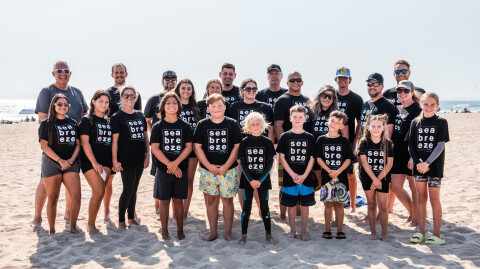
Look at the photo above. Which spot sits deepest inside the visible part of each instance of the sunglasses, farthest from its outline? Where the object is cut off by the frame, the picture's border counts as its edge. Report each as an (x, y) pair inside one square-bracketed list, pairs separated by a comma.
[(170, 79), (59, 71), (62, 104), (403, 71), (250, 89), (131, 96), (403, 90), (293, 80), (375, 84), (326, 96)]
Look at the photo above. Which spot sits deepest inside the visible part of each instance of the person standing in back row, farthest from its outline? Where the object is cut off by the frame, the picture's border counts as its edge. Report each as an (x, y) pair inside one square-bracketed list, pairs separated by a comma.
[(270, 95), (230, 91)]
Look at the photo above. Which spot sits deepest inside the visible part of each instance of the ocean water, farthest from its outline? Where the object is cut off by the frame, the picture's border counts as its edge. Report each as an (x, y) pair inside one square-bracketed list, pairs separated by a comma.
[(10, 108)]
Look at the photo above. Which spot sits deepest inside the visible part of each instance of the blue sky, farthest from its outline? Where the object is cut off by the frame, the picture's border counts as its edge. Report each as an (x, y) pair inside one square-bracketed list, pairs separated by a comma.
[(439, 38)]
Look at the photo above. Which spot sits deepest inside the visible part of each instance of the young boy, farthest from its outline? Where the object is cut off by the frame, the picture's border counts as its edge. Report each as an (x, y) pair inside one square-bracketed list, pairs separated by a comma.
[(296, 148), (334, 155), (216, 141)]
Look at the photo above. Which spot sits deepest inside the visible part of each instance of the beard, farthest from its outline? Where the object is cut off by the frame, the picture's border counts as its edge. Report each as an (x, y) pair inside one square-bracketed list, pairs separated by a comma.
[(374, 94)]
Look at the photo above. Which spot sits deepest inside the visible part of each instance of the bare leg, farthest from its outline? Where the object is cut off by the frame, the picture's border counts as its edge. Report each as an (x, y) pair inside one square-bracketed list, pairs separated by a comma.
[(372, 212), (72, 184), (107, 197), (339, 215), (352, 182), (192, 167), (304, 235), (40, 198), (391, 199), (52, 186), (283, 209), (163, 210), (98, 190), (413, 189), (68, 205), (212, 215), (422, 205), (292, 213), (382, 201), (178, 204), (398, 181), (228, 210), (328, 216), (436, 210)]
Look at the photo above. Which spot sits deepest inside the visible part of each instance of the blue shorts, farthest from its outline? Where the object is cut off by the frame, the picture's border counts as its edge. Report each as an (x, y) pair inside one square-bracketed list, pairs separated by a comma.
[(298, 194)]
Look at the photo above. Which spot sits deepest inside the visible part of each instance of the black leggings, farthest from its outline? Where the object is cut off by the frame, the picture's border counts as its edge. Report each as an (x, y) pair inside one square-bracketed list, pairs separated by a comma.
[(247, 208), (128, 198)]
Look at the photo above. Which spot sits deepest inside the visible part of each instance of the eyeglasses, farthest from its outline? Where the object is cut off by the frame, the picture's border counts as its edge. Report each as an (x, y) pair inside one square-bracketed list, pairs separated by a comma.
[(170, 79), (59, 71), (293, 80), (375, 84), (62, 104), (403, 90), (131, 96), (403, 71), (250, 89), (326, 96)]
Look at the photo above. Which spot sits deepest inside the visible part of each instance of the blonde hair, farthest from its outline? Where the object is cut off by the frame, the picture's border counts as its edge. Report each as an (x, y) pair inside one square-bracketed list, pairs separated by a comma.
[(251, 118), (423, 98), (215, 97), (128, 87)]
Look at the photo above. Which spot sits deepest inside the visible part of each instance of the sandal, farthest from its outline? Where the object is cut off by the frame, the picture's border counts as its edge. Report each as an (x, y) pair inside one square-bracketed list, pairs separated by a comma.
[(435, 240), (417, 238), (327, 235), (340, 235)]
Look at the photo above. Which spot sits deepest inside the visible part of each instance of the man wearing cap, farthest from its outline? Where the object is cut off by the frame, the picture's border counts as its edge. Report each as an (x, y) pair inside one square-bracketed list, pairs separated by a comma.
[(169, 81), (377, 104), (350, 103), (270, 95), (119, 74), (230, 91), (401, 72)]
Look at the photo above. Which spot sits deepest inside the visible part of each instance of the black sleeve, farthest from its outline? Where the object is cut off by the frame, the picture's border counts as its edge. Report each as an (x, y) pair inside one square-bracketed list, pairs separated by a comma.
[(268, 113), (349, 152), (236, 133), (392, 114), (150, 107), (389, 149), (443, 131), (412, 141), (42, 131), (278, 110), (228, 113), (155, 134), (281, 144), (188, 133), (319, 148), (198, 134), (311, 148), (84, 128), (115, 123), (138, 103), (358, 108), (361, 147)]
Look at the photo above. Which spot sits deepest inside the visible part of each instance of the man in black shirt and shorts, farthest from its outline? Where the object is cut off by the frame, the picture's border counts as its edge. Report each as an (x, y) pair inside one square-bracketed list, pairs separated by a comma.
[(230, 91), (351, 104), (401, 72), (169, 82)]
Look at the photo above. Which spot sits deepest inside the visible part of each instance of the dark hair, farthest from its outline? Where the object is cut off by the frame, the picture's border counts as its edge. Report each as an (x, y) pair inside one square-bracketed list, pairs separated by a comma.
[(316, 105), (192, 101), (229, 66), (52, 116), (339, 115), (119, 64), (96, 96), (402, 62), (244, 84), (161, 114)]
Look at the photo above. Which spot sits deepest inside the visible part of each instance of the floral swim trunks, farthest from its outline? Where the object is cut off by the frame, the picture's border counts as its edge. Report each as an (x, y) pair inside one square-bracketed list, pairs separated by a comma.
[(226, 186)]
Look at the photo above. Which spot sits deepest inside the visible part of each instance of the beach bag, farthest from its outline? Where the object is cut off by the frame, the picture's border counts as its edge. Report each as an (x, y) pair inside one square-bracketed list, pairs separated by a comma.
[(333, 191)]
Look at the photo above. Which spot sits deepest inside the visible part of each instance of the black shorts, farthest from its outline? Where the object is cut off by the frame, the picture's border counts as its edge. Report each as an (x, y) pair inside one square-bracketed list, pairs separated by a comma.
[(297, 195), (86, 165), (400, 159), (367, 183), (192, 155), (169, 186)]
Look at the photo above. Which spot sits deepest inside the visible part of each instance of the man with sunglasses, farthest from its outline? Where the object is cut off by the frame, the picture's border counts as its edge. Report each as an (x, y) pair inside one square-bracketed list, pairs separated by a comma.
[(119, 75), (350, 103), (230, 91), (78, 107), (281, 117), (169, 81), (377, 104), (401, 72)]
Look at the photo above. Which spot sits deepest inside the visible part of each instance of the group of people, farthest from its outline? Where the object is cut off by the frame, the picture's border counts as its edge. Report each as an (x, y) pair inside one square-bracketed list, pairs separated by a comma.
[(234, 136)]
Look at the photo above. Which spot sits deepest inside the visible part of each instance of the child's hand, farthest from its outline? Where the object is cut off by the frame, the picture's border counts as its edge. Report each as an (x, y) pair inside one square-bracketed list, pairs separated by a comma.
[(377, 183), (212, 168), (178, 172), (222, 170), (299, 179), (255, 184), (172, 167), (410, 164), (64, 164), (423, 167), (334, 173)]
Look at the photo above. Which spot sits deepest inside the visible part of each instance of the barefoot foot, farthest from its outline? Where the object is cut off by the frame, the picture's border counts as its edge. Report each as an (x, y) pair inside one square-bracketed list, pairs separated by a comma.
[(36, 223), (305, 237), (385, 238), (122, 226), (106, 217), (292, 234), (210, 237), (242, 240), (180, 235), (373, 237), (52, 231), (271, 240), (228, 236), (133, 222), (92, 229)]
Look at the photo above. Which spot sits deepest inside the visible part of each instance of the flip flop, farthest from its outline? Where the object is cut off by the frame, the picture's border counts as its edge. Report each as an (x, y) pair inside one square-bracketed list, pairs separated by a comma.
[(417, 238), (340, 235), (435, 240), (327, 235)]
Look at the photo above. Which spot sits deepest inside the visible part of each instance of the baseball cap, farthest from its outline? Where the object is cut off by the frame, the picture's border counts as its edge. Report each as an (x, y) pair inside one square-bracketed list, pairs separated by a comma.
[(406, 84), (274, 67), (376, 76), (169, 73), (343, 72)]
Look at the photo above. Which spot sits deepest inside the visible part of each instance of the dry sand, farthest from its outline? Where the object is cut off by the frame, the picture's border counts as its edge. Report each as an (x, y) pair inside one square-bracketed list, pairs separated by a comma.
[(142, 246)]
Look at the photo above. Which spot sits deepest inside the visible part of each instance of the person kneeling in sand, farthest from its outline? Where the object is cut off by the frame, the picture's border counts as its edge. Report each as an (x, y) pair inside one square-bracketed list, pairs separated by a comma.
[(216, 142)]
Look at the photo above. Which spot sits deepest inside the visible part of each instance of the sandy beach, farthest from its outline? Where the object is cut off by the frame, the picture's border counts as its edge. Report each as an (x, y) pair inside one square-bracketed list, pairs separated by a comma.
[(142, 246)]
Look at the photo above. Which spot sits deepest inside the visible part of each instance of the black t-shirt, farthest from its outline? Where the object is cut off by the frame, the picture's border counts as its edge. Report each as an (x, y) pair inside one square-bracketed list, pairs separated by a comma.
[(152, 107), (381, 106), (116, 103), (217, 139), (403, 120), (172, 138), (334, 152), (375, 157), (240, 110), (320, 124), (131, 140), (297, 148), (255, 153), (281, 110), (269, 97), (351, 104), (391, 95), (424, 135), (202, 106), (100, 139), (232, 95), (189, 116), (64, 136)]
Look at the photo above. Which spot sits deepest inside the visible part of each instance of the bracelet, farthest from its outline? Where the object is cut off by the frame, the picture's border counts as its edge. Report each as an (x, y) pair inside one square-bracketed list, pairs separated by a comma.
[(59, 159)]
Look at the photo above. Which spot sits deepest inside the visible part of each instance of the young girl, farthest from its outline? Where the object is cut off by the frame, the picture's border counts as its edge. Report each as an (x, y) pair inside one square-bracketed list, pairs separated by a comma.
[(59, 142), (130, 152), (376, 159), (256, 154), (190, 114), (171, 144), (427, 137), (96, 157)]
